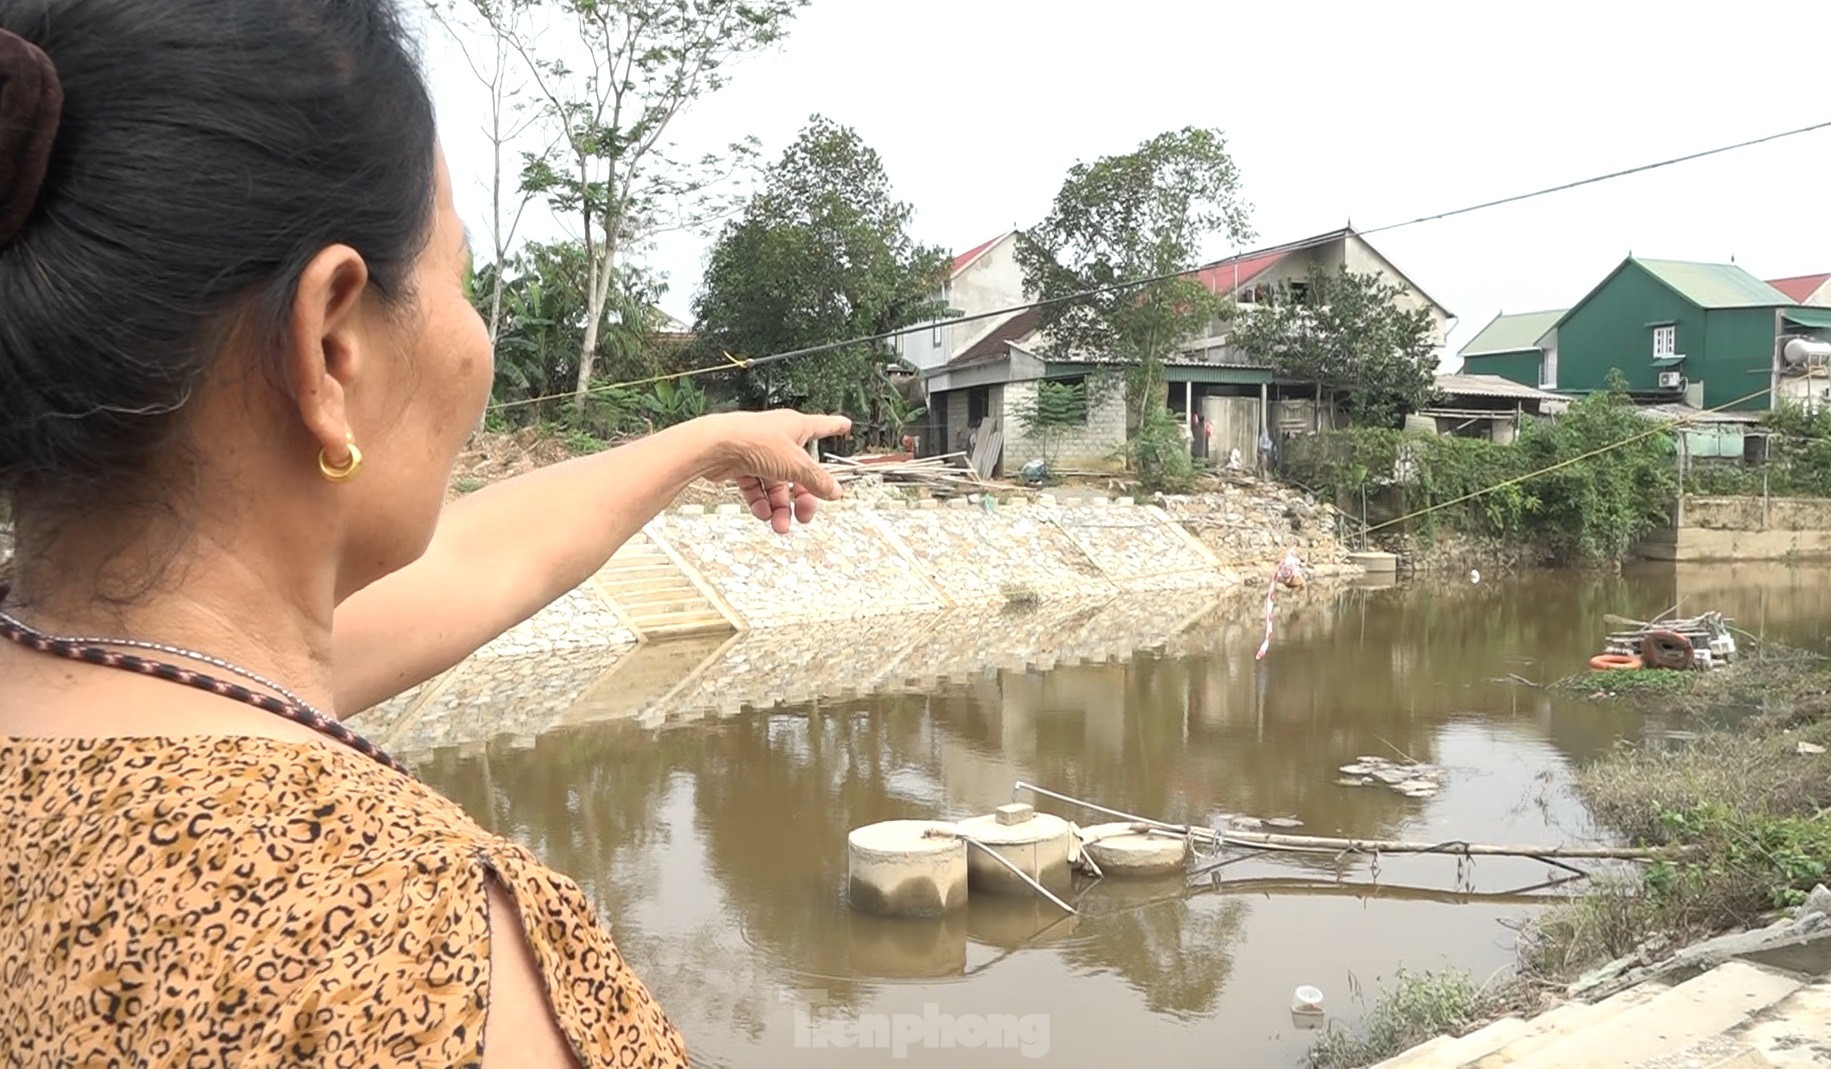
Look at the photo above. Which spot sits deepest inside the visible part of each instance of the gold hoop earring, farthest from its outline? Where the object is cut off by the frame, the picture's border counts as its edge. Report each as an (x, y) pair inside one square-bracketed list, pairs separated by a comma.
[(349, 468)]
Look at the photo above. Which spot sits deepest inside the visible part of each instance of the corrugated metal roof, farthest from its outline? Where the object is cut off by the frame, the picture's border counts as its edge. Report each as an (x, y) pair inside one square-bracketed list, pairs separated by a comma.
[(1715, 285), (1697, 415), (1800, 287), (1816, 318), (1513, 333), (1491, 386)]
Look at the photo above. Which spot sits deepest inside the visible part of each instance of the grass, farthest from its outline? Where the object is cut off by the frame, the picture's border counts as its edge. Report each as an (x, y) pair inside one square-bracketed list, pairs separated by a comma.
[(1645, 682), (1416, 1007), (1020, 596), (1752, 807), (1754, 810)]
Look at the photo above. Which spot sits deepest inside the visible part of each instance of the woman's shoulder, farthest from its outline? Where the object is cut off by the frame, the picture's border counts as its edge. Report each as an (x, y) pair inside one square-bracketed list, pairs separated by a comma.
[(351, 902), (274, 882)]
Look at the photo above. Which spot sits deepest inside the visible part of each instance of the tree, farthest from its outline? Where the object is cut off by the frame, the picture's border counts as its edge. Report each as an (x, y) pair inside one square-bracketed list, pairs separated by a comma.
[(640, 63), (821, 254), (496, 70), (1123, 219), (543, 322), (1347, 332)]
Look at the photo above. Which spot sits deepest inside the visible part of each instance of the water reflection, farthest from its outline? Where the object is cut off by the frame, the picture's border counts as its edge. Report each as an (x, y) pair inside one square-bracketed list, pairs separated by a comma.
[(716, 846)]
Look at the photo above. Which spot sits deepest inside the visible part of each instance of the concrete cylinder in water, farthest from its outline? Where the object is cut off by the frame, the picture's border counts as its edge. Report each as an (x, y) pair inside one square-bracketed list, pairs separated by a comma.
[(1038, 846), (898, 869), (1121, 851)]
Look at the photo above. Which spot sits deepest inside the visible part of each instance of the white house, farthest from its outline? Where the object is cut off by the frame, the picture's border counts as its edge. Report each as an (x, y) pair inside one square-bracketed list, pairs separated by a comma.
[(981, 376)]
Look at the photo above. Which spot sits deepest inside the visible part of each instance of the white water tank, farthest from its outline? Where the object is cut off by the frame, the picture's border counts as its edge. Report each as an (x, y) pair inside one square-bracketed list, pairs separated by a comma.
[(1801, 353)]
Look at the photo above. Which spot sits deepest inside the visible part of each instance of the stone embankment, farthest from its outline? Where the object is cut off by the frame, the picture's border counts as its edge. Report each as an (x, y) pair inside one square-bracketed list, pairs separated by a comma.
[(876, 554), (901, 595)]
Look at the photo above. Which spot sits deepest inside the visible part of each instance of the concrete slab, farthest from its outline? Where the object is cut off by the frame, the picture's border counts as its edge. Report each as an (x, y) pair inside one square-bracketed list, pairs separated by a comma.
[(1572, 1017), (1704, 1006), (1796, 1033), (1472, 1047)]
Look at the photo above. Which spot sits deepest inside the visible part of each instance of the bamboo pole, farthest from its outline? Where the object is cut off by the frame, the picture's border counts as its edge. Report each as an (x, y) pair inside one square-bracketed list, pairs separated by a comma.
[(1021, 874), (1313, 844), (1457, 847)]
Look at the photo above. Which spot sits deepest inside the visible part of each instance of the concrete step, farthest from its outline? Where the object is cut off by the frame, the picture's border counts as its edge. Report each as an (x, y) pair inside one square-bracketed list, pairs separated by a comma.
[(644, 678), (1715, 1002), (1796, 1033), (655, 595), (648, 601), (1467, 1050), (1404, 1059), (1572, 1017)]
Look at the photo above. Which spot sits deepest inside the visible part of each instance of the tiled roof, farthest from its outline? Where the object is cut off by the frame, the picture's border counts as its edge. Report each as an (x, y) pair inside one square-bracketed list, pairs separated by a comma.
[(965, 259), (1228, 276), (1715, 285), (1800, 287), (1000, 340), (1513, 333)]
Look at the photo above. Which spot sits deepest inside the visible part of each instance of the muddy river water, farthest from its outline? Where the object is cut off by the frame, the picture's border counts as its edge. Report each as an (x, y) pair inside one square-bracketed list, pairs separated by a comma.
[(716, 847)]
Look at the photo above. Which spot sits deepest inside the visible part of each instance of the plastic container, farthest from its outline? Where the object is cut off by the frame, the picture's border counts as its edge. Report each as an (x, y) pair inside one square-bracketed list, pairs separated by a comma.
[(1306, 999)]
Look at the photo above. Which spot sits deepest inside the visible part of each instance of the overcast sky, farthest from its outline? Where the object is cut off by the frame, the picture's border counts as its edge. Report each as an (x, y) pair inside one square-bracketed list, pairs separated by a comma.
[(1335, 112)]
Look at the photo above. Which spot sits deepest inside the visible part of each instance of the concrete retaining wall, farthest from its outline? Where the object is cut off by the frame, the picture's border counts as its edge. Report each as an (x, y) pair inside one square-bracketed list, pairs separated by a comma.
[(867, 583), (684, 680), (883, 557), (1746, 528)]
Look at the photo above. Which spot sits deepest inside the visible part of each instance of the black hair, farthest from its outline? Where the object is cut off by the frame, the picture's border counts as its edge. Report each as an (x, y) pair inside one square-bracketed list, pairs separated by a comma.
[(207, 150)]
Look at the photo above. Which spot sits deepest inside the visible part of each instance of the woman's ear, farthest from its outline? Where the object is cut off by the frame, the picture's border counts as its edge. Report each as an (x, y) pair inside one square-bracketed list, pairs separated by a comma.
[(325, 345)]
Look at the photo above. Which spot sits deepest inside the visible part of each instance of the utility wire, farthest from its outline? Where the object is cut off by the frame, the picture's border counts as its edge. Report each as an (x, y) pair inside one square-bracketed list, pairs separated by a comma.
[(1660, 427), (733, 363), (1603, 177)]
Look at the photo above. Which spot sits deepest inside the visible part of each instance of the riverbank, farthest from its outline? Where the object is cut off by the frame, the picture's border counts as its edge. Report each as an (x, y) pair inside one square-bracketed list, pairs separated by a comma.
[(521, 697), (1746, 795), (705, 569)]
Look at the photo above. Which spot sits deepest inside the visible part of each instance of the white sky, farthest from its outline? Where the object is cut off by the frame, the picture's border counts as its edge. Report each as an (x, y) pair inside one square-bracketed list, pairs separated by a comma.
[(1334, 111)]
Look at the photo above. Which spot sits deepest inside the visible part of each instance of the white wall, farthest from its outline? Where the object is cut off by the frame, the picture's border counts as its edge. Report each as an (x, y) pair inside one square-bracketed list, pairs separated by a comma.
[(992, 282)]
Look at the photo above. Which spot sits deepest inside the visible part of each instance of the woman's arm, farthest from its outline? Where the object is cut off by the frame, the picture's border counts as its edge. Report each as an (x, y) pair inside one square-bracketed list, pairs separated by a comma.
[(502, 554)]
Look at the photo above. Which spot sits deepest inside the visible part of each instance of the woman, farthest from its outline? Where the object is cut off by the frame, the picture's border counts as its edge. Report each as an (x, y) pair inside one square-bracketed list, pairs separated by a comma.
[(236, 366)]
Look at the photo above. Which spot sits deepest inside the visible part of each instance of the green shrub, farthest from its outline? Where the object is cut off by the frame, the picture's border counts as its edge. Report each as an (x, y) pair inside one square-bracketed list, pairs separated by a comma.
[(1417, 1007), (1159, 456), (1584, 487)]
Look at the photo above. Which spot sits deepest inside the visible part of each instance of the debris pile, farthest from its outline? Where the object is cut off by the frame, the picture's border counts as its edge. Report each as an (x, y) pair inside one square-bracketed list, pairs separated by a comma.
[(942, 476), (1698, 642), (1410, 779)]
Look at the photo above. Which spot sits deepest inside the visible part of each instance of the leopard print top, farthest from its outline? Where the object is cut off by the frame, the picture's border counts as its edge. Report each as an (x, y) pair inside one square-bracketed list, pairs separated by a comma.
[(256, 903)]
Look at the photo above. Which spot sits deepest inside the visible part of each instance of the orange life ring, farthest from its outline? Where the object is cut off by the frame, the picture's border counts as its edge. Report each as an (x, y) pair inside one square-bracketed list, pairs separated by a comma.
[(1616, 662), (1667, 649)]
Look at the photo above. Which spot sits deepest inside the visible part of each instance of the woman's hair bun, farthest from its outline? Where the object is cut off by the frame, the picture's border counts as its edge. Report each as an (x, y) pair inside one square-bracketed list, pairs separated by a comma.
[(31, 104)]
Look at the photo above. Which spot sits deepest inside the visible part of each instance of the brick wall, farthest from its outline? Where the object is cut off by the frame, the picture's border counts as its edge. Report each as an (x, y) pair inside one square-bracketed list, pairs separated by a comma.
[(954, 440), (1096, 444)]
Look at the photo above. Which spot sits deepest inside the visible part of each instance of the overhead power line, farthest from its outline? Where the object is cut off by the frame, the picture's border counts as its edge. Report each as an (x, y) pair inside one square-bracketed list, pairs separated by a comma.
[(738, 363)]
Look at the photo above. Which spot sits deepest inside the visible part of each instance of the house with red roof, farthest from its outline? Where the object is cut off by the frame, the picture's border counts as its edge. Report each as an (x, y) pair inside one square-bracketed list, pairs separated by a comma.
[(1806, 289), (983, 374)]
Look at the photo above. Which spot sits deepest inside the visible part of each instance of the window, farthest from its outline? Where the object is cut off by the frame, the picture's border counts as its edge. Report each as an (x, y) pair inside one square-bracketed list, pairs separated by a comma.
[(1665, 341), (1548, 368)]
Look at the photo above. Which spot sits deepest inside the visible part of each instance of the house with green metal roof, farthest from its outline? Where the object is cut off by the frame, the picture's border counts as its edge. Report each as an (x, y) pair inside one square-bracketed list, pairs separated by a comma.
[(1521, 347), (1702, 334)]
